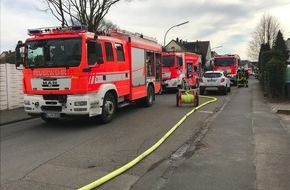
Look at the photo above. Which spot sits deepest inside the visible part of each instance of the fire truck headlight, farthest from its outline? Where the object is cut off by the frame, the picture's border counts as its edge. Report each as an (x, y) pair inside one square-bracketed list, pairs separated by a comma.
[(27, 102), (36, 104), (81, 103)]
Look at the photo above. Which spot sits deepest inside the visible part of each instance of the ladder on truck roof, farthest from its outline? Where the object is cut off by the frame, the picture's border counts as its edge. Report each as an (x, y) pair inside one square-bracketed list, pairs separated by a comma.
[(124, 34)]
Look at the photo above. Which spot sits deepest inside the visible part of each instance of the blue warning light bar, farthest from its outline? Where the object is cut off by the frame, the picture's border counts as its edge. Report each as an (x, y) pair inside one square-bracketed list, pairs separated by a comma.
[(52, 30)]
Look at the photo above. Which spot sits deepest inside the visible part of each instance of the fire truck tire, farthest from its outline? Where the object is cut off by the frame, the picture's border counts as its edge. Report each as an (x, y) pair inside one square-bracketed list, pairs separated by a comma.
[(148, 100), (109, 108)]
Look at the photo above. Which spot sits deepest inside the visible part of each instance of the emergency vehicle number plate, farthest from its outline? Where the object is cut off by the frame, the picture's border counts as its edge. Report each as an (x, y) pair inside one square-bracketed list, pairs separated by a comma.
[(52, 115)]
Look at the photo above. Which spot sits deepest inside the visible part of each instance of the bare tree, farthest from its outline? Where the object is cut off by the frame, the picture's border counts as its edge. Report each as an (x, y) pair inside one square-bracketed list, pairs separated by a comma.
[(106, 24), (264, 33), (90, 13)]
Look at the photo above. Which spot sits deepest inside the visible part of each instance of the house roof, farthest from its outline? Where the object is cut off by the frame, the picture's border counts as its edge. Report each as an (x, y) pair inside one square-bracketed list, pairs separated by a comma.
[(199, 47)]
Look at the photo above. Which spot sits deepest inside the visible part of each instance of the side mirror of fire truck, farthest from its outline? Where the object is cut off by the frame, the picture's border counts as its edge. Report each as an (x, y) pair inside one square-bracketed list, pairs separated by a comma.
[(195, 68), (19, 54)]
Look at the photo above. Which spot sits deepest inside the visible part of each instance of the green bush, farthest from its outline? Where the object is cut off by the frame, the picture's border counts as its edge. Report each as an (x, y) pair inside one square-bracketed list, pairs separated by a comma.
[(265, 57), (276, 75)]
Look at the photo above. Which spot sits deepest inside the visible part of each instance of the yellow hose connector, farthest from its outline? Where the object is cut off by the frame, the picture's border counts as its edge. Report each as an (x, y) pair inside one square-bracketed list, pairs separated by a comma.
[(129, 165)]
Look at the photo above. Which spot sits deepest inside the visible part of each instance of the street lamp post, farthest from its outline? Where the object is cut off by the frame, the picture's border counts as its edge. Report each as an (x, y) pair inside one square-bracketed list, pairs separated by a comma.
[(213, 52), (216, 47), (173, 27)]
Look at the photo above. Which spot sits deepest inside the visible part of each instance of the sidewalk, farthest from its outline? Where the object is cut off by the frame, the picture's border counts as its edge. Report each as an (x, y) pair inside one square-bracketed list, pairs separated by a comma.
[(14, 115), (281, 108), (251, 151)]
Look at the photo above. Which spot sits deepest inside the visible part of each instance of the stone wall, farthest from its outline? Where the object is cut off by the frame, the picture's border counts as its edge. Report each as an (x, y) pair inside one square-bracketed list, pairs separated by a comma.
[(11, 94)]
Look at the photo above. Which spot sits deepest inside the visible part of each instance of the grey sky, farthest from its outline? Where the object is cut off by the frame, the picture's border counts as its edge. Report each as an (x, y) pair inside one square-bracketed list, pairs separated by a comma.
[(226, 23)]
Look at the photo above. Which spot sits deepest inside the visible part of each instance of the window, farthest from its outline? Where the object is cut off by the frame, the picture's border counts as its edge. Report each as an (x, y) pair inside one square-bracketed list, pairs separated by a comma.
[(57, 52), (212, 75), (189, 69), (120, 52), (179, 61), (149, 63), (168, 61), (224, 61), (158, 66), (109, 51), (95, 54)]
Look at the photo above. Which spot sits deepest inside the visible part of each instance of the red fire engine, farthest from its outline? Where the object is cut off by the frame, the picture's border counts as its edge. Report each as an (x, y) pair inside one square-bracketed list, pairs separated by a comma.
[(178, 68), (227, 63), (71, 72)]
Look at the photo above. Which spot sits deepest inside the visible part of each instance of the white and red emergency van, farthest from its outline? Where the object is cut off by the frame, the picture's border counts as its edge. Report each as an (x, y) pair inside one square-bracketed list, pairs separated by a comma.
[(180, 67), (68, 71), (228, 63)]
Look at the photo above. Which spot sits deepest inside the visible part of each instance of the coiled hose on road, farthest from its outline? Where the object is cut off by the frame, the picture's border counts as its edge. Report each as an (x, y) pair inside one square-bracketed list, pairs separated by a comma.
[(129, 165)]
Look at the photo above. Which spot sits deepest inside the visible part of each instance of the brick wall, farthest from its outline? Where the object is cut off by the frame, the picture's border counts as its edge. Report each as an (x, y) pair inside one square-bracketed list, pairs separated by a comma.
[(11, 95)]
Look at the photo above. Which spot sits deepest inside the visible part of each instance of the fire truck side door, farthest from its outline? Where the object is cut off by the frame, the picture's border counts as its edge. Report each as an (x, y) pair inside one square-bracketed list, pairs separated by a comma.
[(158, 66), (179, 62), (94, 53)]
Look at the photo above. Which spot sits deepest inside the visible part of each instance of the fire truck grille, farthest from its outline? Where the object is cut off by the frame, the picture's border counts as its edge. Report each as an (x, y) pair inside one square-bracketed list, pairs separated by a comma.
[(60, 98), (51, 108)]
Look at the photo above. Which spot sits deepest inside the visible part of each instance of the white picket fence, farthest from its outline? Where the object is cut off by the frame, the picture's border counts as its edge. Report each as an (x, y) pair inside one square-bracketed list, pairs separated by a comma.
[(11, 94)]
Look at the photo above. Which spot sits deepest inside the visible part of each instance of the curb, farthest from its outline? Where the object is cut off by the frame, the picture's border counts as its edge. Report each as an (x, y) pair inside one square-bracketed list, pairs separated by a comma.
[(15, 121), (280, 111)]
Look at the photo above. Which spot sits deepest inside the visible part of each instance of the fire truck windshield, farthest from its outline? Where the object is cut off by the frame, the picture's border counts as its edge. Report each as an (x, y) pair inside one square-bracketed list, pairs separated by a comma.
[(64, 52), (168, 61), (224, 62)]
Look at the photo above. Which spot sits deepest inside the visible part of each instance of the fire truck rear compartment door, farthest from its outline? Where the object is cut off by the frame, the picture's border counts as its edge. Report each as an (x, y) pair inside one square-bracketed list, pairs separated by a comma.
[(138, 69)]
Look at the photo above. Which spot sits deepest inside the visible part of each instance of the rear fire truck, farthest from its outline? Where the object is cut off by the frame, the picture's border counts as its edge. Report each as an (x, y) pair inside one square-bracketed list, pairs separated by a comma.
[(69, 72), (229, 64), (180, 68)]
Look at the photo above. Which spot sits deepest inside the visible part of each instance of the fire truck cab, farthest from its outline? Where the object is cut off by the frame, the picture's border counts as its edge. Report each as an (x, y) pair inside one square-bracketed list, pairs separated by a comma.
[(229, 64), (69, 72), (180, 67)]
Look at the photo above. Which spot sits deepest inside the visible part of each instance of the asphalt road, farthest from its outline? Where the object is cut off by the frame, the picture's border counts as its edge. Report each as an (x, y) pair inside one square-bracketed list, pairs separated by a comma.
[(71, 154), (233, 143)]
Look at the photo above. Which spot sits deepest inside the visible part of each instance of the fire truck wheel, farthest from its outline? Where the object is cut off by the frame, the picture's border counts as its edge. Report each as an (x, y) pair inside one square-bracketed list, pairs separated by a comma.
[(148, 100), (109, 108)]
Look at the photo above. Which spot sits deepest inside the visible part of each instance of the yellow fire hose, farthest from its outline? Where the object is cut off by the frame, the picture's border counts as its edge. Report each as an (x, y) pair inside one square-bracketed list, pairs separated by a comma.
[(129, 165)]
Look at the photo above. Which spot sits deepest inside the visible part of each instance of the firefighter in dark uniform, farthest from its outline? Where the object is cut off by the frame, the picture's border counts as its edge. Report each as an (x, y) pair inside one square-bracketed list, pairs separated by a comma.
[(246, 77)]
